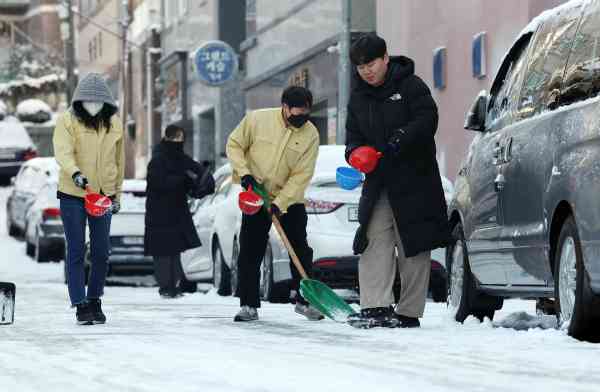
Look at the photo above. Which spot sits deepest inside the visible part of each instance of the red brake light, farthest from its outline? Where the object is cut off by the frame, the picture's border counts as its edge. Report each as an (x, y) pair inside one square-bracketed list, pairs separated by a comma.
[(51, 213), (435, 265), (321, 207), (326, 263), (30, 154)]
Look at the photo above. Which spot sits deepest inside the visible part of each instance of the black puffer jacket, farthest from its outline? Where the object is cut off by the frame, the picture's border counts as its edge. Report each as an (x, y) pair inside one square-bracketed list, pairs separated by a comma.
[(169, 226), (411, 178)]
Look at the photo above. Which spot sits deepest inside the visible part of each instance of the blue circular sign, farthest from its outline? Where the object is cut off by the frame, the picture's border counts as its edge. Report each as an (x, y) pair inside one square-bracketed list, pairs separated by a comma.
[(216, 63)]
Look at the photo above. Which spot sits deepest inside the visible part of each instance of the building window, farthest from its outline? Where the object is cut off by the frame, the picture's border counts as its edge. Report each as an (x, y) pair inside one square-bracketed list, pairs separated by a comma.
[(90, 53), (100, 44), (479, 57), (439, 68)]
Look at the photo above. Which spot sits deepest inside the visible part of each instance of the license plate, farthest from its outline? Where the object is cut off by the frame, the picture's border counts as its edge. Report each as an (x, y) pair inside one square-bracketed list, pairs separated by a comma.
[(133, 240), (7, 156), (353, 214)]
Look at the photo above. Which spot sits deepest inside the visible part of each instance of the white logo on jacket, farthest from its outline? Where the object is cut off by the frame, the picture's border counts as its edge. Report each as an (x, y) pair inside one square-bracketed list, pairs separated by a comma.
[(395, 97)]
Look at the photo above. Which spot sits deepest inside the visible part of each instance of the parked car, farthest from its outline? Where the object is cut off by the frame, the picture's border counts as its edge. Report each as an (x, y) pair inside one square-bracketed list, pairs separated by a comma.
[(44, 231), (16, 147), (31, 178), (525, 211), (332, 221), (127, 235)]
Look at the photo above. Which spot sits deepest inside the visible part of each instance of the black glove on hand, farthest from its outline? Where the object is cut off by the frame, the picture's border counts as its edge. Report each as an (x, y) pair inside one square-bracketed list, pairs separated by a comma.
[(360, 240), (191, 175), (248, 181), (395, 141), (116, 206), (80, 180), (275, 210)]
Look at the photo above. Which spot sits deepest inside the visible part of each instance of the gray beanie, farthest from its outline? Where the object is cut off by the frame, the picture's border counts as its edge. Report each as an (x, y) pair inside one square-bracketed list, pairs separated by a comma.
[(93, 87)]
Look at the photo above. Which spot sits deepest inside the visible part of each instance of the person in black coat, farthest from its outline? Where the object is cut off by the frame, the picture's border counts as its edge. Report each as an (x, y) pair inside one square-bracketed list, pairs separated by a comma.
[(402, 207), (172, 176)]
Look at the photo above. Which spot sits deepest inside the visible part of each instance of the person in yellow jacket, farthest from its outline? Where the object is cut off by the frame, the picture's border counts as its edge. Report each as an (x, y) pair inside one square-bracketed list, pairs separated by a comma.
[(278, 149), (88, 146)]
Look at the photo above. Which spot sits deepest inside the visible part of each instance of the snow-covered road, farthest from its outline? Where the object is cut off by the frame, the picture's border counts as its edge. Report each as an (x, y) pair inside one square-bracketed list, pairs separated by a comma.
[(191, 344)]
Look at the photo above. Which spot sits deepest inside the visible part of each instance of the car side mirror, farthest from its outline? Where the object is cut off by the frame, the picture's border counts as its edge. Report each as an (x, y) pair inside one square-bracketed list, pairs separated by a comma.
[(13, 180), (475, 119)]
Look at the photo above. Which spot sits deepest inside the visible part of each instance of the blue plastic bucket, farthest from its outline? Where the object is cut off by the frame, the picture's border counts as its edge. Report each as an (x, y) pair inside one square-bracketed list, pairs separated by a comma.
[(348, 178)]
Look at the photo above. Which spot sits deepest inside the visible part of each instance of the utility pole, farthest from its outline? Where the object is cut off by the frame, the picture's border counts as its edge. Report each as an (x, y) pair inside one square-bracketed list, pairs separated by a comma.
[(68, 36), (343, 72), (153, 120), (124, 93)]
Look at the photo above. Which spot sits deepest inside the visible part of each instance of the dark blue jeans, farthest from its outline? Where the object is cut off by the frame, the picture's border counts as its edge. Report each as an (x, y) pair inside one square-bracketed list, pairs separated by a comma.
[(74, 219)]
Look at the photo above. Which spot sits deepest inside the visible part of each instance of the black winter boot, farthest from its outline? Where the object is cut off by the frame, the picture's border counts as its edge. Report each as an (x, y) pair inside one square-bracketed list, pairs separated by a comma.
[(96, 309), (407, 322), (84, 314), (373, 317)]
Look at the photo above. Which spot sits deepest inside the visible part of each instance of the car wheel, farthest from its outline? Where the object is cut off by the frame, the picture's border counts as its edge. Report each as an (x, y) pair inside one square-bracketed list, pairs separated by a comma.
[(221, 273), (41, 254), (438, 284), (29, 249), (578, 309), (10, 226), (275, 293), (463, 297), (234, 269)]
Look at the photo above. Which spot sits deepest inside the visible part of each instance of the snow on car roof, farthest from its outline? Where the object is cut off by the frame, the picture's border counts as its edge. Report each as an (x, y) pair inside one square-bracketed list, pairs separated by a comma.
[(134, 185), (14, 134), (32, 106), (47, 164)]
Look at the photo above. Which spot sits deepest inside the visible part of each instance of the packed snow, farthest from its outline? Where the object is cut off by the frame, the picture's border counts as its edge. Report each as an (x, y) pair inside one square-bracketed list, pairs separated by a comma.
[(191, 344), (30, 107)]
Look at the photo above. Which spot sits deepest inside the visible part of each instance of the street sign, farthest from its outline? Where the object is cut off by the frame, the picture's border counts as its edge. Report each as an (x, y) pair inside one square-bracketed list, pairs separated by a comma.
[(216, 63)]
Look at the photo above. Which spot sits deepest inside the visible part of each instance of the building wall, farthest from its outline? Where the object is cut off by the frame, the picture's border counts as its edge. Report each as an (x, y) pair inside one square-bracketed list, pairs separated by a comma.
[(415, 28), (286, 29), (99, 50)]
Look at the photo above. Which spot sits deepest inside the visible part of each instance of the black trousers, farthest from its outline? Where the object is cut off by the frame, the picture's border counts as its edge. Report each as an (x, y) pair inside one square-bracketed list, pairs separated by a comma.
[(167, 272), (254, 235)]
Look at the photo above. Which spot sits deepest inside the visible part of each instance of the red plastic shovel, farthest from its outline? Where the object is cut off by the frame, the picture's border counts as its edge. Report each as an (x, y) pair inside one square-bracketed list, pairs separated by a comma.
[(96, 204)]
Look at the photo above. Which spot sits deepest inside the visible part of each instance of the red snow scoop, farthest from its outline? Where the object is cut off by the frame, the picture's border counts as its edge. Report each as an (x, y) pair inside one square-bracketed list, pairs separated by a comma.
[(96, 204), (250, 203), (365, 158), (7, 303)]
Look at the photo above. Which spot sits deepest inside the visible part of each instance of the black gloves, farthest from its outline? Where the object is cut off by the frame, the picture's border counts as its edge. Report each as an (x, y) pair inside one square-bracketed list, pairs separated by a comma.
[(394, 144), (80, 180), (360, 240), (248, 181), (275, 210), (116, 206)]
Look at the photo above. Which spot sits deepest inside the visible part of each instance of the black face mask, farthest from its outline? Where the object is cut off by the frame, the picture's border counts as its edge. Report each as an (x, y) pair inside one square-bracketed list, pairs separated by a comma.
[(298, 120)]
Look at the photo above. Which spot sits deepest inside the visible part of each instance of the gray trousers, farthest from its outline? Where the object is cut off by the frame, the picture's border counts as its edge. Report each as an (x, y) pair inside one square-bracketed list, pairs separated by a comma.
[(167, 272), (383, 259)]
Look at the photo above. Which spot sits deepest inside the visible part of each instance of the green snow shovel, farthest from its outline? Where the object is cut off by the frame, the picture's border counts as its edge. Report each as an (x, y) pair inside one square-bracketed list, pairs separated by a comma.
[(7, 303), (316, 293)]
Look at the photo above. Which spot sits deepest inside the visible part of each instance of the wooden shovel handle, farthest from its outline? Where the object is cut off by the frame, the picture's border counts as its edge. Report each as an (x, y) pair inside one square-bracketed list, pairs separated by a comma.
[(288, 246)]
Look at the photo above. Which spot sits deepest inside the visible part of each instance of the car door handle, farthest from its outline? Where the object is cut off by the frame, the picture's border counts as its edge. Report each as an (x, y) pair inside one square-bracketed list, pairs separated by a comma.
[(499, 183), (508, 150)]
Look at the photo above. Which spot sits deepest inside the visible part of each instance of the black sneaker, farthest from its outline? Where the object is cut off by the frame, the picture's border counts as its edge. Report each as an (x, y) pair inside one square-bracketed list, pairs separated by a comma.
[(407, 322), (373, 317), (84, 314), (96, 309)]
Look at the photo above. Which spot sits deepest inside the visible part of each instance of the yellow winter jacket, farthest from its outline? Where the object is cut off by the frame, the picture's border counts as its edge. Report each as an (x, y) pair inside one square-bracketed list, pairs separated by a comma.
[(280, 157), (98, 155)]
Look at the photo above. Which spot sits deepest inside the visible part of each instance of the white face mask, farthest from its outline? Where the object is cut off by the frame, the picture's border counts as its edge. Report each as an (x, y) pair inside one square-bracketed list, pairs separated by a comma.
[(92, 107)]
